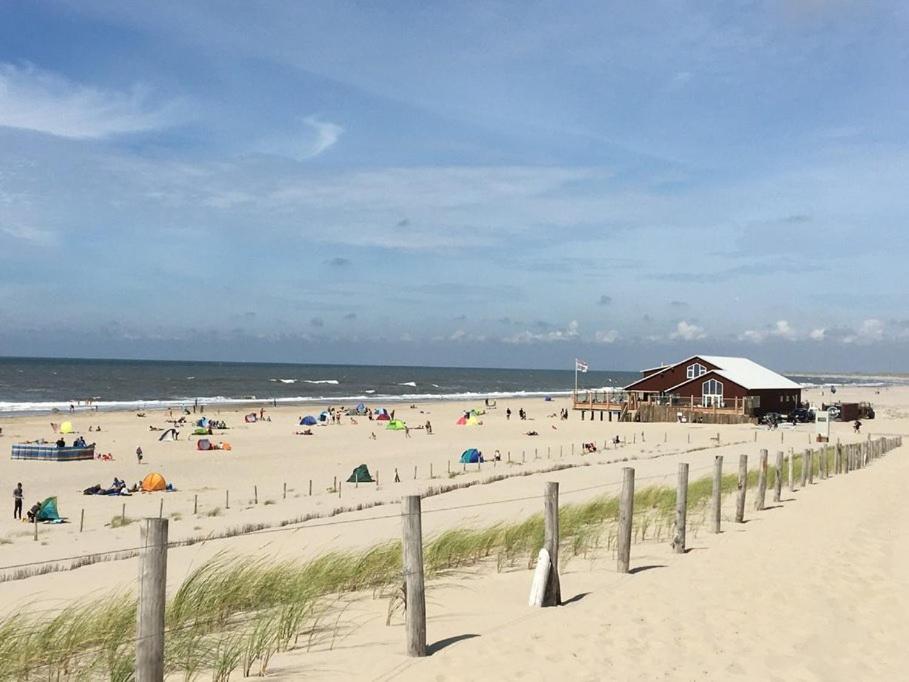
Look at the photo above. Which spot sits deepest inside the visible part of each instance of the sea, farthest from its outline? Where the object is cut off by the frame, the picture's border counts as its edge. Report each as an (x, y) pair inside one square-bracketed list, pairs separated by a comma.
[(35, 385)]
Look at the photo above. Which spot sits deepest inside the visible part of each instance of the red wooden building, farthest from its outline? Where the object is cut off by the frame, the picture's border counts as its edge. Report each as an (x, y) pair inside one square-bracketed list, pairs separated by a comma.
[(711, 381)]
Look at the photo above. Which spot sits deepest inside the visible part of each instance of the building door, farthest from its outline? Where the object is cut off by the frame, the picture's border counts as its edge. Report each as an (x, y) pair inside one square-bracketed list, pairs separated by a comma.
[(712, 393)]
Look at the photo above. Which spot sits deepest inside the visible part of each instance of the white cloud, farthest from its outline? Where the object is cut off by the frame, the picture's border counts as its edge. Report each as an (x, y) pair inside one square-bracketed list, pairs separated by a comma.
[(817, 334), (38, 100), (610, 336), (687, 332), (555, 335), (869, 331), (32, 235), (784, 330), (327, 134)]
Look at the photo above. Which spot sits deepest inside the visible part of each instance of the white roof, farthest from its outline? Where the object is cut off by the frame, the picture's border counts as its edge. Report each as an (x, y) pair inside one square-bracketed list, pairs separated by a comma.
[(747, 373)]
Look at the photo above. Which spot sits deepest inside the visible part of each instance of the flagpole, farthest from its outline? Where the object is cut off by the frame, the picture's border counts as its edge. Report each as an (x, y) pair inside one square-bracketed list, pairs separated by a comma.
[(576, 380)]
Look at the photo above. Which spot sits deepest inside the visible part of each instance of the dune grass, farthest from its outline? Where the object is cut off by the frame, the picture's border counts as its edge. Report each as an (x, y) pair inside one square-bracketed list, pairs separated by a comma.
[(232, 614)]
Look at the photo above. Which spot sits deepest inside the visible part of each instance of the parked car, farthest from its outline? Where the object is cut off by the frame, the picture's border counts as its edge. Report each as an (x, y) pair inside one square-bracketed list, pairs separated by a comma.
[(801, 415), (772, 418)]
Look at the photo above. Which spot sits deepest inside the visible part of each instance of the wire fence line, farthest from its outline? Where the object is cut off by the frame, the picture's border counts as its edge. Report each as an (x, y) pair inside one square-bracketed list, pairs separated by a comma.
[(412, 570)]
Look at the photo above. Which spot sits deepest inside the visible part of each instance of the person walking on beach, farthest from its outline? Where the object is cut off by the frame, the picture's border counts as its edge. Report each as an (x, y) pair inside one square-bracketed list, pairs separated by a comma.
[(139, 455), (508, 414), (428, 428), (17, 501), (407, 432)]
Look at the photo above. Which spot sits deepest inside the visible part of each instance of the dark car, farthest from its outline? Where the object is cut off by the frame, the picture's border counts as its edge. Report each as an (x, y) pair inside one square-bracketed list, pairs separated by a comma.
[(772, 418), (801, 415)]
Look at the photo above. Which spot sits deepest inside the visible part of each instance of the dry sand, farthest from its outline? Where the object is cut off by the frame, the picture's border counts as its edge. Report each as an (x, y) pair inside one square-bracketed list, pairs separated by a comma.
[(774, 598)]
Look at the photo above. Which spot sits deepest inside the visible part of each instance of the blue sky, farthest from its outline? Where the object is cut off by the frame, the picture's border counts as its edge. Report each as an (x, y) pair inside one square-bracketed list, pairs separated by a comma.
[(505, 184)]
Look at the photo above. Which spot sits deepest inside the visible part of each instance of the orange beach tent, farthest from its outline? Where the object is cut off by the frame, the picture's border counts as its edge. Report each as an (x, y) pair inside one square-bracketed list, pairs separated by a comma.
[(153, 482)]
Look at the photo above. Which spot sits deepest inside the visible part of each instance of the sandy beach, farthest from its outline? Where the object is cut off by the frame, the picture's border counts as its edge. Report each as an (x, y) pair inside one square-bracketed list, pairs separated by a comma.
[(621, 625)]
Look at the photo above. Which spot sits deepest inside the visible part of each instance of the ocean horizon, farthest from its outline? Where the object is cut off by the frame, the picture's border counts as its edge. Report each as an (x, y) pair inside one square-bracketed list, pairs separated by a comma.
[(29, 385)]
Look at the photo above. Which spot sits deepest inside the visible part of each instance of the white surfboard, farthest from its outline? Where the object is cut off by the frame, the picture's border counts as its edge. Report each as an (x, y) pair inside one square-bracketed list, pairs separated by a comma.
[(540, 578)]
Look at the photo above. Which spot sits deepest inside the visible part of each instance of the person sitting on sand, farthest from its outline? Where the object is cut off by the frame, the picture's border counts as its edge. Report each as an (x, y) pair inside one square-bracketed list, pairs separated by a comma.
[(353, 421), (61, 443), (33, 512), (532, 433), (79, 442)]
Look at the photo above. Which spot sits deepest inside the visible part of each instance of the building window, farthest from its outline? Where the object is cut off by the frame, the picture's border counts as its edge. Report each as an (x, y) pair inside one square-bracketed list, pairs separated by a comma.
[(712, 393), (696, 370)]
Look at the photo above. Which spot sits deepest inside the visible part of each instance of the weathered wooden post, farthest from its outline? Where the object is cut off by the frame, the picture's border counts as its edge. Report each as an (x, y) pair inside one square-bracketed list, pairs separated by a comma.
[(255, 494), (36, 527), (310, 487), (152, 586), (681, 509), (717, 492), (778, 483), (838, 458), (742, 487), (626, 516), (414, 589), (227, 499), (285, 490), (415, 472), (82, 520), (809, 456), (791, 476), (762, 482), (804, 477), (123, 514), (161, 509), (553, 594)]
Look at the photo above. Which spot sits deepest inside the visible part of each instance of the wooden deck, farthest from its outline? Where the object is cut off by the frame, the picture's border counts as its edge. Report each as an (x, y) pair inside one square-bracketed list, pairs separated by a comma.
[(625, 405)]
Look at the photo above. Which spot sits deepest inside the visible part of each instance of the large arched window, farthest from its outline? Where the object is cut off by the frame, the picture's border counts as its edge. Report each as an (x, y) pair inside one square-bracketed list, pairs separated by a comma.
[(712, 393), (696, 370)]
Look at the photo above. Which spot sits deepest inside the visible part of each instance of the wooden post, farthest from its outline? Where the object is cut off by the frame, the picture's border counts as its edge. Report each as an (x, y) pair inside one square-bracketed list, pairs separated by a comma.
[(285, 490), (782, 437), (681, 509), (553, 594), (161, 509), (123, 514), (626, 516), (810, 455), (742, 487), (414, 589), (152, 587), (449, 463), (310, 487), (430, 471), (334, 483), (256, 494), (339, 490), (838, 459), (523, 456), (36, 528), (717, 493), (227, 499), (195, 504), (778, 483), (415, 472), (804, 476), (762, 482)]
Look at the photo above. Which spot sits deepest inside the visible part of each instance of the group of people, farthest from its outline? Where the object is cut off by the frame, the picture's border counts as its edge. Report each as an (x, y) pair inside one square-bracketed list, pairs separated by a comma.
[(18, 497), (521, 414), (79, 442)]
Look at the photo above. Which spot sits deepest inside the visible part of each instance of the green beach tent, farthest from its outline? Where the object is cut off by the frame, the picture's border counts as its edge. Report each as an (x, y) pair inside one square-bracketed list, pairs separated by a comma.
[(395, 425), (48, 510), (360, 475)]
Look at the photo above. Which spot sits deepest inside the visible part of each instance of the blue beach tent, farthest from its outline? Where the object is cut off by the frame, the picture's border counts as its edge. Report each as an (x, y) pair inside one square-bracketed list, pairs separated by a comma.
[(308, 421), (471, 456)]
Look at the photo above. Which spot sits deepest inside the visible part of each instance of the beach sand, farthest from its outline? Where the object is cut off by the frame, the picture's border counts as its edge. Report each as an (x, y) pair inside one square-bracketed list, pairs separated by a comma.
[(765, 599)]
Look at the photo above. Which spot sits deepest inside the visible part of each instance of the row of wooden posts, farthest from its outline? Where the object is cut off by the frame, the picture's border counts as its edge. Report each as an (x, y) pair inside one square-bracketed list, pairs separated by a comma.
[(154, 543)]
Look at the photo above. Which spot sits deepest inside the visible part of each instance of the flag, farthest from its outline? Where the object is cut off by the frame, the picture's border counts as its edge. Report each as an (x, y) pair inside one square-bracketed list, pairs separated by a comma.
[(580, 365)]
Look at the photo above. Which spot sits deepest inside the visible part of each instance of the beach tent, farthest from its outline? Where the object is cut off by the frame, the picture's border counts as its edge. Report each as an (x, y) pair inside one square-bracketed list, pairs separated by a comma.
[(153, 482), (308, 420), (203, 444), (361, 409), (477, 413), (395, 425), (361, 475), (383, 417), (203, 422), (379, 411), (471, 456), (169, 435), (251, 418), (324, 416), (461, 421), (468, 421), (48, 510), (200, 431), (66, 427)]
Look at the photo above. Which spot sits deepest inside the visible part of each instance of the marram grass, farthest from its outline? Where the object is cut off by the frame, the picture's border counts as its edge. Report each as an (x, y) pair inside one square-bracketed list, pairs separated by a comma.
[(232, 614)]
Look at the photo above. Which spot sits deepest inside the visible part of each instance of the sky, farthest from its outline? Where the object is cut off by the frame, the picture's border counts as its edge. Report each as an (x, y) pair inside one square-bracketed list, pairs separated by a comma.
[(510, 184)]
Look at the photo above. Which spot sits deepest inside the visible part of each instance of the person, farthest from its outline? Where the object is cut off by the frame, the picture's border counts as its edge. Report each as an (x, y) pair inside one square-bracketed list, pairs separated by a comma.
[(372, 436), (139, 455), (857, 426), (397, 478), (508, 414), (79, 442), (90, 428), (33, 512), (72, 408), (498, 456), (406, 431), (17, 501), (61, 443), (428, 428)]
